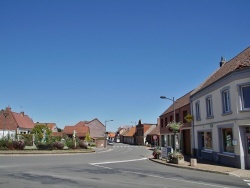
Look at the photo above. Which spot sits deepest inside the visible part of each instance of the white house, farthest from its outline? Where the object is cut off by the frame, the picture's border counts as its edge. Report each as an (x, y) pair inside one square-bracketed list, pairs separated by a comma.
[(221, 110)]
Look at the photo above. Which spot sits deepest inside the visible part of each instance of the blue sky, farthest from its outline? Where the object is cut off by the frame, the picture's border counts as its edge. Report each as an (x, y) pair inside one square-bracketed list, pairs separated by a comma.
[(65, 61)]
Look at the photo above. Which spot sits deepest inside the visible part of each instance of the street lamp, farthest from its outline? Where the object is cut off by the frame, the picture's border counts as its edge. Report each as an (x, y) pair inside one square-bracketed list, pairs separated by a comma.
[(106, 133), (5, 113), (163, 97)]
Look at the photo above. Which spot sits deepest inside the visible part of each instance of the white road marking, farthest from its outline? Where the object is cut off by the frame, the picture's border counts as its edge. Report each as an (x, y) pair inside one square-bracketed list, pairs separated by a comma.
[(111, 162), (151, 175)]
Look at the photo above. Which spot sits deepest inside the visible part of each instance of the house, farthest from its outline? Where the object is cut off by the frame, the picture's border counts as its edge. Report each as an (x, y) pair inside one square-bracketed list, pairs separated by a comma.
[(180, 109), (111, 136), (79, 131), (129, 137), (153, 137), (142, 130), (51, 126), (12, 123), (221, 106), (97, 129), (122, 131)]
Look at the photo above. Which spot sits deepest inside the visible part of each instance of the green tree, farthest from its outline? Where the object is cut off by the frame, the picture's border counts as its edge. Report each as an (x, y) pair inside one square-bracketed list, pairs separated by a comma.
[(39, 129), (87, 137)]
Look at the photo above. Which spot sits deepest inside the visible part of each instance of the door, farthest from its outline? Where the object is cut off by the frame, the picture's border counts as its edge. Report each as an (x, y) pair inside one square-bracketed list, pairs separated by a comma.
[(247, 151)]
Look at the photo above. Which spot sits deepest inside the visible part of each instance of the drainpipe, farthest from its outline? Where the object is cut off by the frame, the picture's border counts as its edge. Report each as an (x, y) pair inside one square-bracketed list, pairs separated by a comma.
[(192, 126)]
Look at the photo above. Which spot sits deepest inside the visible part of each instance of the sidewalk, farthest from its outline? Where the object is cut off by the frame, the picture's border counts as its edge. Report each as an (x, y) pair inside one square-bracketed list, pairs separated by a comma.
[(207, 166)]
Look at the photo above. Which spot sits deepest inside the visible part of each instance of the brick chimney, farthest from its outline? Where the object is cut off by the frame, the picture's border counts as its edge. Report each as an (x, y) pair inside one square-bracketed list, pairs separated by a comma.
[(22, 113), (222, 61)]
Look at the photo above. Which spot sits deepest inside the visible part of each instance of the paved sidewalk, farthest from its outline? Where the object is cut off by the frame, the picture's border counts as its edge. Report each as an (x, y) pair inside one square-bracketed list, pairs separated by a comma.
[(208, 167)]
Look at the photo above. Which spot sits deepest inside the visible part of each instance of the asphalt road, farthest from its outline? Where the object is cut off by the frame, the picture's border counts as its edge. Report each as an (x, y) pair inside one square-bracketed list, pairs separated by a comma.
[(121, 166)]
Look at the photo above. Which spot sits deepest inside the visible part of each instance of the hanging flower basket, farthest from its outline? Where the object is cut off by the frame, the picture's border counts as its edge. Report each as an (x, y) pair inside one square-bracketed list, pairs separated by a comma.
[(174, 126)]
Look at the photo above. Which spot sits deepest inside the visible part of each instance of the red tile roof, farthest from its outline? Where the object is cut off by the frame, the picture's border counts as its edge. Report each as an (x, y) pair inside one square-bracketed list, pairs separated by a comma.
[(23, 121), (81, 131), (155, 131), (240, 61), (131, 132)]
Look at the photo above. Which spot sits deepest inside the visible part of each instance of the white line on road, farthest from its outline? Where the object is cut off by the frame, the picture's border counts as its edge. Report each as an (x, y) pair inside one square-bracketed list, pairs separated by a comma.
[(111, 162), (151, 175)]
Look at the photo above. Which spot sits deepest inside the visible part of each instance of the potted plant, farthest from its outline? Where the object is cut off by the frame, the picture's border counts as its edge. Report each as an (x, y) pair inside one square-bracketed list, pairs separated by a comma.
[(176, 158), (156, 154)]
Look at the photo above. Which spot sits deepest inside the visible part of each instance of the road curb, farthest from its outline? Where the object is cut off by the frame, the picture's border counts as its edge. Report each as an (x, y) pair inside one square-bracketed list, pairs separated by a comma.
[(189, 167)]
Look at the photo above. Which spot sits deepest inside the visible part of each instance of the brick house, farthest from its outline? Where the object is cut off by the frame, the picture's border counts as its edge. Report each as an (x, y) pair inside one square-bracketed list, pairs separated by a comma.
[(142, 130), (12, 123), (167, 138)]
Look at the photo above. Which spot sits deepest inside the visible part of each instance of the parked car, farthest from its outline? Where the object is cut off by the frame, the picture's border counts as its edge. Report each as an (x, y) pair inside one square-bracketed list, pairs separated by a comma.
[(110, 142)]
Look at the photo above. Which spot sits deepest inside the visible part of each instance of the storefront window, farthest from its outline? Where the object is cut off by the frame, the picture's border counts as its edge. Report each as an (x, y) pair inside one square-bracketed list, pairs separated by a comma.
[(228, 140), (208, 140)]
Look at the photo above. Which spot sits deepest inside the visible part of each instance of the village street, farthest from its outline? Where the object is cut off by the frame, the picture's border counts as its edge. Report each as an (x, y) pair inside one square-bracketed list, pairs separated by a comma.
[(121, 165)]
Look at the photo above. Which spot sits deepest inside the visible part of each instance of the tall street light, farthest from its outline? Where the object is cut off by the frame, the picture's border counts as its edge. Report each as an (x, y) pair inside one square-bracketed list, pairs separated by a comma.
[(163, 97), (5, 113), (106, 133)]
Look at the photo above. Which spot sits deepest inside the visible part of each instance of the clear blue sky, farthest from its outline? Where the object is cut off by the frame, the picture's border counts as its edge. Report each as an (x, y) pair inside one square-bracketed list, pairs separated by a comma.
[(64, 61)]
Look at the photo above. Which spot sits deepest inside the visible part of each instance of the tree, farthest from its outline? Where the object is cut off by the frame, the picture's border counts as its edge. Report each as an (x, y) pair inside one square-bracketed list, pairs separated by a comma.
[(87, 137), (39, 129)]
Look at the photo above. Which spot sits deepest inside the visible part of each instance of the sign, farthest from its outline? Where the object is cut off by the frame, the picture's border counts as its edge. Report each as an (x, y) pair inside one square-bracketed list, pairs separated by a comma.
[(165, 151), (155, 137)]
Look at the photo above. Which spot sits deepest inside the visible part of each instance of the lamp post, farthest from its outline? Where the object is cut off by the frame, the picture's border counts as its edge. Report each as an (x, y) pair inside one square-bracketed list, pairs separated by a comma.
[(5, 113), (163, 97), (106, 133)]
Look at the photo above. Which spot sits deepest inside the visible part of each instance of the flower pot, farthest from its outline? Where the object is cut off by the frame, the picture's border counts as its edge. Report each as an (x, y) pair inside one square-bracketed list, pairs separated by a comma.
[(177, 160)]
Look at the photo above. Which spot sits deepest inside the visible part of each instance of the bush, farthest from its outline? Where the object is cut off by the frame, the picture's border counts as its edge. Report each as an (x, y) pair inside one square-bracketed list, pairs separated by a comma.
[(58, 145), (83, 145), (44, 146), (19, 145)]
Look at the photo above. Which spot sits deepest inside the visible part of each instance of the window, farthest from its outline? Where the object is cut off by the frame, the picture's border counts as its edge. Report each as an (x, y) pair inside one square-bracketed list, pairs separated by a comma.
[(209, 107), (227, 134), (208, 140), (177, 118), (161, 122), (171, 118), (166, 121), (244, 96), (197, 110), (226, 108), (184, 114)]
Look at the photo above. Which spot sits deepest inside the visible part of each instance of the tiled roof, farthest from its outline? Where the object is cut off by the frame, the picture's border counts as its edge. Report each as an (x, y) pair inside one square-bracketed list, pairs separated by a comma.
[(23, 121), (131, 132), (51, 126), (80, 130), (111, 135), (240, 61), (155, 131), (13, 120), (182, 101), (57, 134), (81, 123)]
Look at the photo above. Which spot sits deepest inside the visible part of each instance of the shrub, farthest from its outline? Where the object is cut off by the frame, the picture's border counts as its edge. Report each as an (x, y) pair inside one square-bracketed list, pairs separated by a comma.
[(83, 145), (44, 146), (19, 145), (58, 145)]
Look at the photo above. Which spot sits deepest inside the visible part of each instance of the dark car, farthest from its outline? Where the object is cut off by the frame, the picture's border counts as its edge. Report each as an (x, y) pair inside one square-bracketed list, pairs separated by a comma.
[(110, 142)]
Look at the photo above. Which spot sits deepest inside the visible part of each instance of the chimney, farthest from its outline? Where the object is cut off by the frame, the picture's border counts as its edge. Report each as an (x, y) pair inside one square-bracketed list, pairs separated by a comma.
[(222, 61), (8, 108), (22, 113)]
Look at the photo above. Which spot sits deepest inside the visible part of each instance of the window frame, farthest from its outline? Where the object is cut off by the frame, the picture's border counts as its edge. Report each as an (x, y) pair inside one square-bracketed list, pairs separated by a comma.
[(209, 106), (241, 97), (223, 140), (226, 101), (197, 111)]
